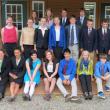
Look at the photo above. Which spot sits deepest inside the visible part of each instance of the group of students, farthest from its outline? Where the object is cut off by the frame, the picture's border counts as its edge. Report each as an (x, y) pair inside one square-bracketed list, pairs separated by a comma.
[(55, 45)]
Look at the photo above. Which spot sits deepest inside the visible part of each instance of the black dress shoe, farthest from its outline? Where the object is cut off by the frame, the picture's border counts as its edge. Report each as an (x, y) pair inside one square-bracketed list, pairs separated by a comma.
[(90, 96)]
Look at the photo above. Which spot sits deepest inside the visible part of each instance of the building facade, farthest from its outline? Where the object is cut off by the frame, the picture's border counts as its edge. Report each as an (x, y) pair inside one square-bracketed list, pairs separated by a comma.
[(21, 9)]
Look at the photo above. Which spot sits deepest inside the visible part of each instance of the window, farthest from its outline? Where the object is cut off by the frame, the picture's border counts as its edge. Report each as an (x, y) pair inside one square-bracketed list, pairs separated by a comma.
[(16, 11), (39, 7), (107, 13), (90, 8)]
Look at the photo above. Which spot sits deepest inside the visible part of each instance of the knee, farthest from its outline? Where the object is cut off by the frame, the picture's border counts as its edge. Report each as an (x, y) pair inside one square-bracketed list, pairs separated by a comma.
[(59, 82)]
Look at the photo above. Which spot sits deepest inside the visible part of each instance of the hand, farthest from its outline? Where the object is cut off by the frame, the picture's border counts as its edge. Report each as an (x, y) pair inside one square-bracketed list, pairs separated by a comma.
[(81, 50), (97, 52), (22, 48), (14, 76), (50, 79), (0, 78), (109, 52), (68, 82), (65, 82), (103, 78)]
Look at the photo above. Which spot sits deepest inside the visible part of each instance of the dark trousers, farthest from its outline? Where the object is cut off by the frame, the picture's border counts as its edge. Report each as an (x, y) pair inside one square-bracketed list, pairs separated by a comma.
[(9, 47), (85, 81), (41, 53), (27, 50)]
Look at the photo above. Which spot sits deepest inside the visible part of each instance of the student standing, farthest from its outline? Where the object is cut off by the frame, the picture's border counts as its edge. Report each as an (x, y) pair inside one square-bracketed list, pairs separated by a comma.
[(57, 38), (9, 35), (17, 70), (32, 75), (85, 72), (50, 68)]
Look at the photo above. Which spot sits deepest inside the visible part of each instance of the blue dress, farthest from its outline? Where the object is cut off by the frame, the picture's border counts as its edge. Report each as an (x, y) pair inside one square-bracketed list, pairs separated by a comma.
[(37, 77)]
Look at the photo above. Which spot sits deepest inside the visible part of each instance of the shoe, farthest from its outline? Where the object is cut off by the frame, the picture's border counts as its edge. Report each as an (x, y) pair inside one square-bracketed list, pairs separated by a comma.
[(47, 97), (86, 95), (1, 96), (12, 99), (107, 88), (67, 98), (101, 95), (90, 96), (25, 97), (75, 99)]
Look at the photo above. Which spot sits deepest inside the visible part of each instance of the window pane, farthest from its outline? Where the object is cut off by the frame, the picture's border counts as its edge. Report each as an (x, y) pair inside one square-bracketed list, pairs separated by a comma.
[(40, 6), (14, 9), (8, 9), (36, 6), (19, 18), (18, 9), (40, 14), (19, 26)]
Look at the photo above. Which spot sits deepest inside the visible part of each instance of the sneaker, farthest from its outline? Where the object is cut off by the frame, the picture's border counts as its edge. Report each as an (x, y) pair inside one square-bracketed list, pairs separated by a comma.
[(101, 95), (75, 99), (90, 96), (107, 88), (86, 95), (47, 97), (25, 97), (12, 99), (67, 98)]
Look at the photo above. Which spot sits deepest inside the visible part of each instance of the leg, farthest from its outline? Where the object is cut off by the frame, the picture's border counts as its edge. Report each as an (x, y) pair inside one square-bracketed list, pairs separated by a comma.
[(88, 83), (74, 87), (53, 82), (61, 87), (12, 88), (16, 89), (46, 83), (26, 88), (108, 82)]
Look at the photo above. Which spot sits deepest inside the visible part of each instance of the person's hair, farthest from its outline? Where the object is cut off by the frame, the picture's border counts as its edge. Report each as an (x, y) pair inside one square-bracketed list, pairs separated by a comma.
[(17, 48), (67, 51), (64, 9), (34, 11), (82, 9), (103, 56), (30, 59), (30, 18), (72, 16), (42, 18), (3, 51), (9, 17), (104, 20), (85, 51), (89, 20)]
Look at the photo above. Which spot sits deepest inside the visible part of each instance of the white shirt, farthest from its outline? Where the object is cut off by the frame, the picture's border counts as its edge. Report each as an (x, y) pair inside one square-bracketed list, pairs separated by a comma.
[(104, 30), (50, 67), (82, 19), (57, 34), (43, 29)]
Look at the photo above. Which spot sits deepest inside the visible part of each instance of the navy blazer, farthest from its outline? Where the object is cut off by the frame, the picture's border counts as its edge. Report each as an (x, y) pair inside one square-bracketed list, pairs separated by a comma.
[(67, 29), (66, 23), (78, 22), (52, 38), (88, 42), (103, 44)]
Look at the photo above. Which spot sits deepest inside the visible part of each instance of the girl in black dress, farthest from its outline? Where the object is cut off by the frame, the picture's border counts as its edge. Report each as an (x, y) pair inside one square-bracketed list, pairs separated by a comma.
[(16, 73), (50, 68)]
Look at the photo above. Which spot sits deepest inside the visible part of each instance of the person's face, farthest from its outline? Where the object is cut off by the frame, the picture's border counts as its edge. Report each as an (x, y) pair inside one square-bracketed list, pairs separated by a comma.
[(48, 56), (49, 13), (30, 23), (56, 21), (17, 53), (43, 22), (67, 55), (64, 13), (72, 21), (103, 60), (34, 56), (90, 24), (34, 15), (105, 25), (85, 56), (82, 13), (1, 55), (9, 21)]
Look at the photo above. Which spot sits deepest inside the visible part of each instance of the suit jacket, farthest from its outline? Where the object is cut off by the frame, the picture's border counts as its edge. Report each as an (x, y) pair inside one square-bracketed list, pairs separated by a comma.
[(88, 42), (67, 29), (103, 44), (66, 23), (40, 40), (5, 68), (52, 38), (18, 70), (78, 22)]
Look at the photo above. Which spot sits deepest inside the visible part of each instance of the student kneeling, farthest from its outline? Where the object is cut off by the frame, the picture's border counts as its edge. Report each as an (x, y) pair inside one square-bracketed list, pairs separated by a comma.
[(67, 71)]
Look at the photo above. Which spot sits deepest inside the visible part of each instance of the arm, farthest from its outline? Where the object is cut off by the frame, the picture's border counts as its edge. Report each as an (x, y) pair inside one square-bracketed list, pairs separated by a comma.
[(44, 70), (17, 34), (35, 38), (97, 71), (21, 40), (2, 35), (95, 41), (50, 39)]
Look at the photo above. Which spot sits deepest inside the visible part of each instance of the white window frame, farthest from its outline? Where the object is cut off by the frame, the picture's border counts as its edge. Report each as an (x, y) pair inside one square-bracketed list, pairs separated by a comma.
[(106, 13), (14, 13), (90, 3), (43, 2)]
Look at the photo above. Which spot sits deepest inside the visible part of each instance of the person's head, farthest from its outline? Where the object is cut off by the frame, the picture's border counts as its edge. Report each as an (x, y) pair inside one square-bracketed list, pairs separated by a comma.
[(2, 53), (33, 55), (9, 20), (85, 55), (56, 20), (103, 58), (49, 55), (105, 23), (34, 14), (67, 54), (73, 19), (90, 23), (30, 23), (49, 12), (64, 12), (82, 12), (17, 52), (43, 21)]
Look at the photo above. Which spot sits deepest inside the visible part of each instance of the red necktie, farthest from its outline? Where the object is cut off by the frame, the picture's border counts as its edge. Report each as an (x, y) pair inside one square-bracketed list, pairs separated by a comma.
[(65, 67)]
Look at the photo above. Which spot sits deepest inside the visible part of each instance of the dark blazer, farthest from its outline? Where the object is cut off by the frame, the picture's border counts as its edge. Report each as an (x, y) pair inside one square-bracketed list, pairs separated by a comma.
[(78, 22), (5, 69), (18, 70), (40, 40), (103, 43), (67, 29), (66, 23), (88, 42), (52, 38)]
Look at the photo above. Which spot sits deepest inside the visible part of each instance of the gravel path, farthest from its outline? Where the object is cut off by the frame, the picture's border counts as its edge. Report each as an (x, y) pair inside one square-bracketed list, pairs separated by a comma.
[(57, 103)]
